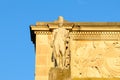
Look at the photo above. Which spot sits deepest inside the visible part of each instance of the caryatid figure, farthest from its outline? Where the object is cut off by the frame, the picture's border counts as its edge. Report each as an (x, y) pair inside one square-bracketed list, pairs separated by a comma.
[(60, 39)]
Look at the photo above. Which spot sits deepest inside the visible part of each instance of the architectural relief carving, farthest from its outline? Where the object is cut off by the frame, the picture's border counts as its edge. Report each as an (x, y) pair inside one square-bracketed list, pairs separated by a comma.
[(80, 49), (97, 59)]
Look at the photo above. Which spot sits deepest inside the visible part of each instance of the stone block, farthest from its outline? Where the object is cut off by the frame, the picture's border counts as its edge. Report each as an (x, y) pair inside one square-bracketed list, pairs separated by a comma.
[(59, 74), (41, 60), (41, 71)]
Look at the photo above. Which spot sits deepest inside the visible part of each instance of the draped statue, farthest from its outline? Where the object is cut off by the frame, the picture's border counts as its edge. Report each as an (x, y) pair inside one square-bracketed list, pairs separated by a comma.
[(60, 45)]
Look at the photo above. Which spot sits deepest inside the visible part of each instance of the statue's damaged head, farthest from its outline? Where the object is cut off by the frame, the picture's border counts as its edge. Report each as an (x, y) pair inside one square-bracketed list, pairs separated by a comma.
[(60, 21)]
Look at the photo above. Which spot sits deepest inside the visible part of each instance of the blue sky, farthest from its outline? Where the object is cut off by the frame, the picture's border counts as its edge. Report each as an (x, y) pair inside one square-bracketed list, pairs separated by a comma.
[(17, 53)]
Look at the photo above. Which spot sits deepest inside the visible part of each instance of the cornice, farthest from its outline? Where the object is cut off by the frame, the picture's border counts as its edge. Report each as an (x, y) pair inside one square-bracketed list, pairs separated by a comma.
[(76, 26), (84, 23), (80, 30)]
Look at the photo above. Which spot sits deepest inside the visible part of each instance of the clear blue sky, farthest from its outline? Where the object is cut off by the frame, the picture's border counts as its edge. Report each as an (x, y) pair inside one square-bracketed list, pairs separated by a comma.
[(17, 53)]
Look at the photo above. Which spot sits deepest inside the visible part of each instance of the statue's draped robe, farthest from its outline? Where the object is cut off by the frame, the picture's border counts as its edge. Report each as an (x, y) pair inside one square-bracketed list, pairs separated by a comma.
[(59, 42)]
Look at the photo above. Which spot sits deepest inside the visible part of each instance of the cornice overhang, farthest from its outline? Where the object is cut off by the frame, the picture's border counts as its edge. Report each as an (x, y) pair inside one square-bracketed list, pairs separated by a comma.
[(47, 27)]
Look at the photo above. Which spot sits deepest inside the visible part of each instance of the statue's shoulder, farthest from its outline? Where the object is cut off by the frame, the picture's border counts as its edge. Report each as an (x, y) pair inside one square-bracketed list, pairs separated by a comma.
[(55, 30), (64, 29)]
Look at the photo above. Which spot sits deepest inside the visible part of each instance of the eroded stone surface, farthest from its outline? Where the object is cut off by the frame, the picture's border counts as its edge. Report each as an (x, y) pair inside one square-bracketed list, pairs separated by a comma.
[(59, 74), (96, 59)]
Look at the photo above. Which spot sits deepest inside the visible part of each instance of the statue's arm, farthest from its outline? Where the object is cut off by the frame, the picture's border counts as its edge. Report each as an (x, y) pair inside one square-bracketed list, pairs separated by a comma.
[(53, 38), (67, 36)]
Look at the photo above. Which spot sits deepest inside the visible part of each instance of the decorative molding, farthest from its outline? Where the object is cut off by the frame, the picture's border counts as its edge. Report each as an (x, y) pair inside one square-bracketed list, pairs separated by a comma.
[(42, 32), (95, 35), (88, 35)]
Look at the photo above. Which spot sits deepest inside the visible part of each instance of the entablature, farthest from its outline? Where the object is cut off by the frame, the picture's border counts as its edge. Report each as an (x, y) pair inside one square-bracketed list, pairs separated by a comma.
[(80, 30)]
